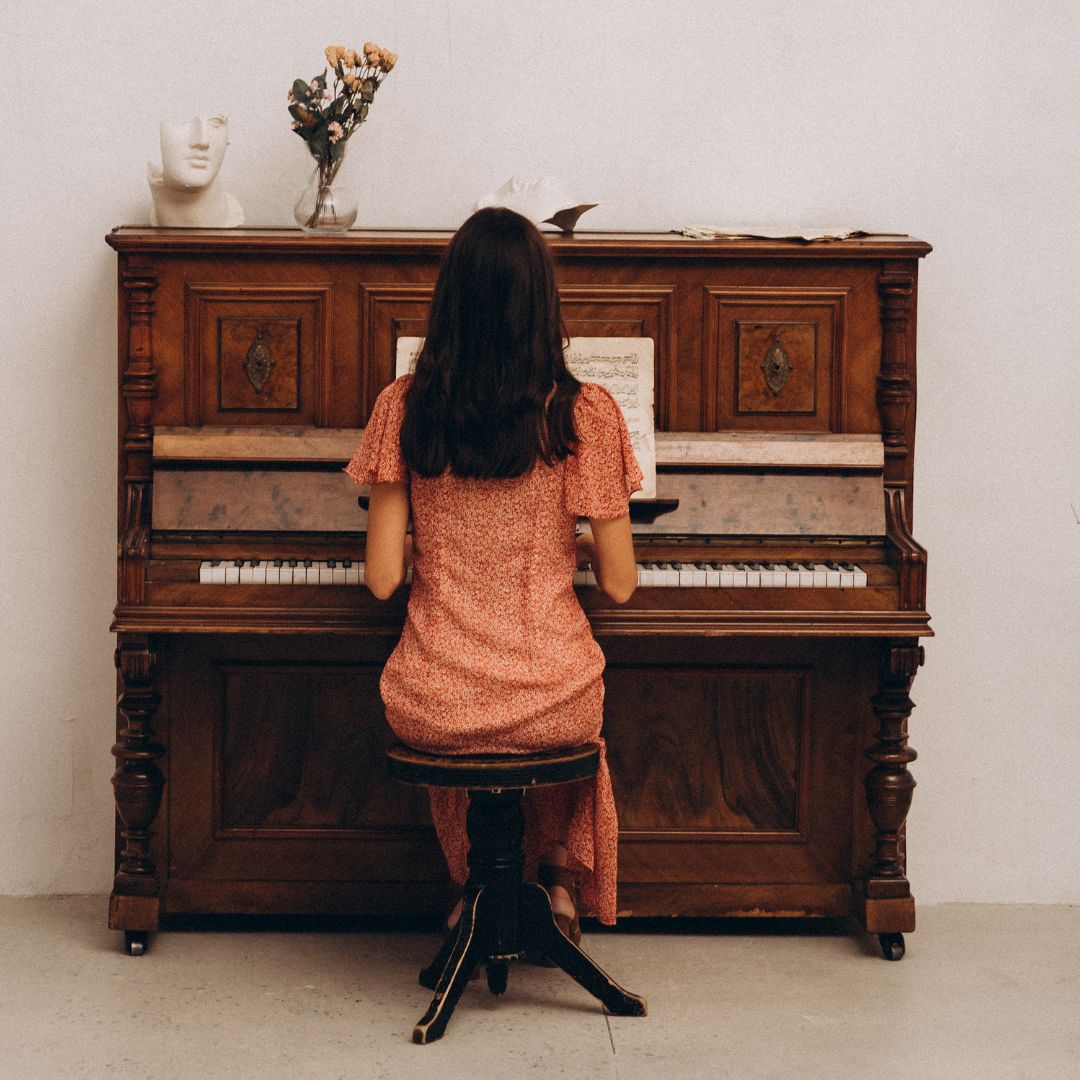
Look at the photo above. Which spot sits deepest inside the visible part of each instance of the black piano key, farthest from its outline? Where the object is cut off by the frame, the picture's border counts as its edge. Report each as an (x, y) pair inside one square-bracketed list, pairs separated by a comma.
[(238, 562), (309, 563), (294, 562), (215, 562), (254, 562), (331, 563), (346, 563), (279, 562)]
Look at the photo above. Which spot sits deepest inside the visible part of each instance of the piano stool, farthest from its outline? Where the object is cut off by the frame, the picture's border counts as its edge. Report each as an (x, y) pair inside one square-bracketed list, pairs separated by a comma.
[(503, 917)]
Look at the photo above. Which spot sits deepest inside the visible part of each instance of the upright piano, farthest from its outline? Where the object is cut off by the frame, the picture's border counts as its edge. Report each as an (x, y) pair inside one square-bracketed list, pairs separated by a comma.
[(757, 683)]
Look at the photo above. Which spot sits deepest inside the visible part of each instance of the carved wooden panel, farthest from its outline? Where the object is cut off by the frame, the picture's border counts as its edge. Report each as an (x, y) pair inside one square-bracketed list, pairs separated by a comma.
[(257, 354), (301, 747), (277, 769), (707, 750), (388, 312), (774, 359)]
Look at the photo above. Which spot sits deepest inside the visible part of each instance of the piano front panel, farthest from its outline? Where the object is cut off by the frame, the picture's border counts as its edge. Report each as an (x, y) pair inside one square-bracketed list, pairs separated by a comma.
[(732, 771)]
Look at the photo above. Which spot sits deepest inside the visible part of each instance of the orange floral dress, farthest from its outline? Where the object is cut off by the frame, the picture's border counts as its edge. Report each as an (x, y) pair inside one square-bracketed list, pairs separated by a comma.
[(496, 655)]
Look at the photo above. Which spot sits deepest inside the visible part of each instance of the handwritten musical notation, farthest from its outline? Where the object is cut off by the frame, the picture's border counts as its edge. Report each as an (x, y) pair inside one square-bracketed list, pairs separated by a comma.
[(623, 366)]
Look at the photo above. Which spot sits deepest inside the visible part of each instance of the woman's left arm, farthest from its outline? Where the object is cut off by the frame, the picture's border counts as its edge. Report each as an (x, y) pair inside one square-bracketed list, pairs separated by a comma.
[(387, 554)]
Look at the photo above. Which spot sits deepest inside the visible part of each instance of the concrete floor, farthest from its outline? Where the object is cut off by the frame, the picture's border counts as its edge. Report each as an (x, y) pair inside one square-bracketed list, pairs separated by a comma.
[(987, 992)]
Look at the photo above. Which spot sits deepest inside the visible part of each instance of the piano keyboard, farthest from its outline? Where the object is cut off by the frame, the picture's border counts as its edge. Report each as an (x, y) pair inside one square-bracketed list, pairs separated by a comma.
[(697, 575)]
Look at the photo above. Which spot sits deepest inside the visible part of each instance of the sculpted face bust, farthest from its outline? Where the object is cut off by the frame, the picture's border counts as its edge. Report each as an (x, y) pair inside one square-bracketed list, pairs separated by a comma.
[(192, 150), (185, 188)]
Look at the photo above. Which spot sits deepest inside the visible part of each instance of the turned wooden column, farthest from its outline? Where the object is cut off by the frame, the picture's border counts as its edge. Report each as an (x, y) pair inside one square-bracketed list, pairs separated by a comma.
[(138, 784), (890, 906)]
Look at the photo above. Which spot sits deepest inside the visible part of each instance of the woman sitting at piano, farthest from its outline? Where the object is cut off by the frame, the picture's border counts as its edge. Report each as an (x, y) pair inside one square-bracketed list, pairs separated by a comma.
[(495, 451)]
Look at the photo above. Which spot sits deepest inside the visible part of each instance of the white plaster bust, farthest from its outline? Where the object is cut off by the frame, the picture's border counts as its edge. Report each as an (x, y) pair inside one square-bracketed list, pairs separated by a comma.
[(185, 188)]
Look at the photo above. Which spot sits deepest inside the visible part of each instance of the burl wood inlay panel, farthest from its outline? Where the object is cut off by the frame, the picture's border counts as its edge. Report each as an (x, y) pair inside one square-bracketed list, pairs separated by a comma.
[(774, 359), (777, 367), (257, 354), (258, 363)]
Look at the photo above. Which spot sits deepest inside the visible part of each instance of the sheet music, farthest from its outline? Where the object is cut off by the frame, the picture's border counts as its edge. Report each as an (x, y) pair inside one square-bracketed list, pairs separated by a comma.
[(623, 366)]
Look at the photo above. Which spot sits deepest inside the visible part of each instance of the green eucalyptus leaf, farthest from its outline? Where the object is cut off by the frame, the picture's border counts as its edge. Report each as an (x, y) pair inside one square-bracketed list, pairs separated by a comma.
[(300, 90)]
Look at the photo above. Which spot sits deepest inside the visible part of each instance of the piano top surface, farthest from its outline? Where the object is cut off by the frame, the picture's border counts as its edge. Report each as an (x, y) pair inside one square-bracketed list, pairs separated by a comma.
[(136, 238)]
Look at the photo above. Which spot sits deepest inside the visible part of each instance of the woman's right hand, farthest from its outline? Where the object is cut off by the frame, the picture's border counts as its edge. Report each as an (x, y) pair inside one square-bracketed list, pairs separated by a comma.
[(586, 550)]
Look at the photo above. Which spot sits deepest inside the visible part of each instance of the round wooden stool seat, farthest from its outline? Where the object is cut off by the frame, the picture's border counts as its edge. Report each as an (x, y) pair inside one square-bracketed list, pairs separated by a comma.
[(493, 771)]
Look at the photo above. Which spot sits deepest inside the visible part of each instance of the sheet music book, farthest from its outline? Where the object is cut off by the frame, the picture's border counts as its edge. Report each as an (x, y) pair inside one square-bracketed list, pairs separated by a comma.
[(623, 366)]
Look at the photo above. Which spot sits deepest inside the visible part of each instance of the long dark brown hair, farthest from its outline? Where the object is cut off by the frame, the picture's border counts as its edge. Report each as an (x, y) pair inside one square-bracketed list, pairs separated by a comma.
[(478, 400)]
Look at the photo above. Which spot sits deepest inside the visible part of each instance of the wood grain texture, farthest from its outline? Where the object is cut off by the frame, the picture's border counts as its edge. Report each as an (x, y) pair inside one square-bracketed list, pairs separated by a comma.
[(757, 738)]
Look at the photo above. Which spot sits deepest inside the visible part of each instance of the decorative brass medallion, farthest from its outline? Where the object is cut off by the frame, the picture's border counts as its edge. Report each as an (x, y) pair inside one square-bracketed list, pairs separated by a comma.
[(260, 361), (776, 366)]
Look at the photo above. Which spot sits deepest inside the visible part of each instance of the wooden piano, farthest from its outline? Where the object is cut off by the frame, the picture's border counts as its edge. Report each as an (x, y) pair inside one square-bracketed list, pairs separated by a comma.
[(757, 682)]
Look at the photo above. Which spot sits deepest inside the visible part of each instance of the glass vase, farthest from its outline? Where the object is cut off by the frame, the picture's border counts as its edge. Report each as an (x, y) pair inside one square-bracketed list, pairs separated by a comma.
[(326, 205)]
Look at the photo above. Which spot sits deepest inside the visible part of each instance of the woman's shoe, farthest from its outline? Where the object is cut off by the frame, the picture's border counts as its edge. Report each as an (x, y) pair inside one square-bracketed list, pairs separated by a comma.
[(550, 876)]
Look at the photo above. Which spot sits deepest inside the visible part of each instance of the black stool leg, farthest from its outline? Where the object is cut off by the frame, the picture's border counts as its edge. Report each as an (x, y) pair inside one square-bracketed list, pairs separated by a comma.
[(465, 953), (545, 938)]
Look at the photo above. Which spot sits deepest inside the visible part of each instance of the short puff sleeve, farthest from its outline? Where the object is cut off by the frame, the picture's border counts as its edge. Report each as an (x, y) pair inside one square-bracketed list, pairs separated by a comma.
[(603, 472), (378, 458)]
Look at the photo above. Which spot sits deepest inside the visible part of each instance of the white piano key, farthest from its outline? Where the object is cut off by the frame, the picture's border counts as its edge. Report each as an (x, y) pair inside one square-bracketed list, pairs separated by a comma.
[(860, 577), (766, 578), (671, 575), (712, 576), (728, 572), (273, 574), (285, 576), (819, 573), (338, 574), (360, 568), (352, 574), (647, 575), (686, 574), (206, 573), (326, 573), (792, 576), (579, 577), (408, 574), (258, 573), (590, 576), (217, 573), (245, 573), (232, 574), (308, 575), (806, 576), (832, 575), (847, 577)]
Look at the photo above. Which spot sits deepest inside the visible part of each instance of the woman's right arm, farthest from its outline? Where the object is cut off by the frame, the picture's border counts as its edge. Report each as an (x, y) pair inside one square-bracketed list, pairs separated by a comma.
[(612, 557)]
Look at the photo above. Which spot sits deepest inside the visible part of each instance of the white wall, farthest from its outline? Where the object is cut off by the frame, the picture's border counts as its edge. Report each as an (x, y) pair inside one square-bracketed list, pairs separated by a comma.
[(951, 121)]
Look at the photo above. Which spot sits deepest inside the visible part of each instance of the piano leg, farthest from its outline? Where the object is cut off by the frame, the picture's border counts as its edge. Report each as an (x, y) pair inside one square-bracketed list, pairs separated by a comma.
[(138, 784), (888, 908)]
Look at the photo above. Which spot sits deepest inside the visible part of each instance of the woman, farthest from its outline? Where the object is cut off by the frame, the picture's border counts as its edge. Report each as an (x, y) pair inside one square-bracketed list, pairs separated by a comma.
[(497, 450)]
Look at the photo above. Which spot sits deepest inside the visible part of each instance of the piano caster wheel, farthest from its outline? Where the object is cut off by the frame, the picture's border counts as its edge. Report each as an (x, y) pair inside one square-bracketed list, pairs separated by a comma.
[(497, 972), (135, 942), (892, 946)]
